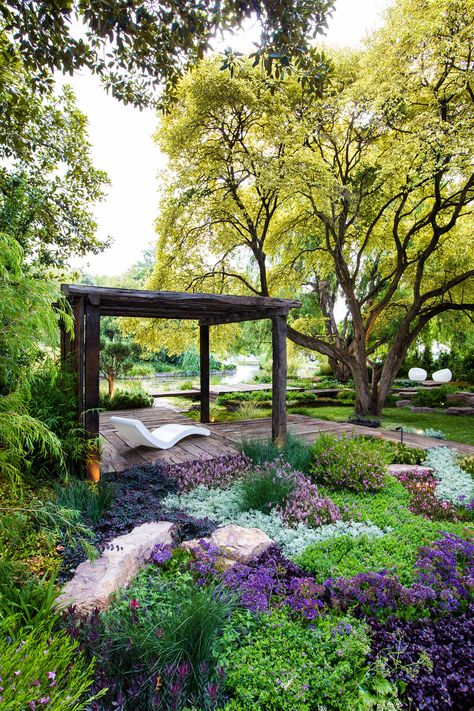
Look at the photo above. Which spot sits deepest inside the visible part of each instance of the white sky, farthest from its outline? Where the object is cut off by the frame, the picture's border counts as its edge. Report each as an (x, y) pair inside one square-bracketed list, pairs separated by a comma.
[(122, 145)]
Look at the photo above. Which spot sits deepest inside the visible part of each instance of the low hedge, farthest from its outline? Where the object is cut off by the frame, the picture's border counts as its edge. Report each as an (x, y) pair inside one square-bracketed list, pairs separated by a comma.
[(126, 400)]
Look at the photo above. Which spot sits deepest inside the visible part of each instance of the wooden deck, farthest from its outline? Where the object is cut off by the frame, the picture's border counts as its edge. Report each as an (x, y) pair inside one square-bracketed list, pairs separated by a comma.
[(118, 456)]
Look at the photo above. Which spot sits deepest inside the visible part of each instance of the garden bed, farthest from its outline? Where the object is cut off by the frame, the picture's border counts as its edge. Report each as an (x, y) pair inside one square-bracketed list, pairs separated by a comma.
[(364, 600)]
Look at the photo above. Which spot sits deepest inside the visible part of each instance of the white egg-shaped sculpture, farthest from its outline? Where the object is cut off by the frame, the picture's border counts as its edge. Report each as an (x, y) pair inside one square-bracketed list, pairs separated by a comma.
[(418, 374), (443, 376)]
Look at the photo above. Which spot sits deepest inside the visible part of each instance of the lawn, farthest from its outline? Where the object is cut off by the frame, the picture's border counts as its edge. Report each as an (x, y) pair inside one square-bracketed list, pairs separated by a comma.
[(456, 428)]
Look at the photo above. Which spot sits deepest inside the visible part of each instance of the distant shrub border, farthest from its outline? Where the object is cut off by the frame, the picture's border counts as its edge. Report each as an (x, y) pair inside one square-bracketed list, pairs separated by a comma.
[(126, 400)]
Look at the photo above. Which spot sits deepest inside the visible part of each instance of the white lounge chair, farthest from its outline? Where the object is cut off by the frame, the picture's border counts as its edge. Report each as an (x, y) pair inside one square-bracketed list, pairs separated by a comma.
[(162, 437)]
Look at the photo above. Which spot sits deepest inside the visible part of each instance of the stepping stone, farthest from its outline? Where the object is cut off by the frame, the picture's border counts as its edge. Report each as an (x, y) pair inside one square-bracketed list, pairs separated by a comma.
[(94, 582), (402, 403), (459, 411), (237, 543), (460, 399)]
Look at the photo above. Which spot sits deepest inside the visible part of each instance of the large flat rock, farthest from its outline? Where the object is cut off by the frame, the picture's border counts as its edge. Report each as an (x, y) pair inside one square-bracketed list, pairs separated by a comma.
[(460, 399), (94, 582), (237, 544), (396, 469), (459, 411)]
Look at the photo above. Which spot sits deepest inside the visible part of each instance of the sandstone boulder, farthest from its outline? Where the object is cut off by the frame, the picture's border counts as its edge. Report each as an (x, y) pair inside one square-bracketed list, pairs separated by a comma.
[(238, 544), (94, 582), (396, 469)]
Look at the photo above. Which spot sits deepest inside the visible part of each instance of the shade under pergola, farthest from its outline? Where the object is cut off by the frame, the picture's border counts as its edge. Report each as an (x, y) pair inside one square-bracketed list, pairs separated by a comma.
[(89, 303)]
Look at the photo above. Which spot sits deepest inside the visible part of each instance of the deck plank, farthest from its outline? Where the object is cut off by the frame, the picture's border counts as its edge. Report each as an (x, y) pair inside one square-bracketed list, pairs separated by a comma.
[(118, 456)]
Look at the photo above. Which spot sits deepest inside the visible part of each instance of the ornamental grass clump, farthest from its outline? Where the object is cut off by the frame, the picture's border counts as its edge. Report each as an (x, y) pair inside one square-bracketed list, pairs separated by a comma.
[(265, 488), (295, 452), (348, 463), (164, 629)]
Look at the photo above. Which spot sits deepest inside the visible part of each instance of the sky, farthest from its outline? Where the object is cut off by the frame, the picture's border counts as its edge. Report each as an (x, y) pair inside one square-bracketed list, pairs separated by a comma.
[(122, 145)]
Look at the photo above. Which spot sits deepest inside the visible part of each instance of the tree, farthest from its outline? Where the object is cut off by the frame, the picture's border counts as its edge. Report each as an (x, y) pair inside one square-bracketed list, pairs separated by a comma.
[(361, 198), (115, 361), (117, 354), (137, 45), (398, 227), (47, 180)]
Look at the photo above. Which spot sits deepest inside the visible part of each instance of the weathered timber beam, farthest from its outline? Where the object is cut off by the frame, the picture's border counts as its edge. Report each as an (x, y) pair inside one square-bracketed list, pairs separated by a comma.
[(110, 296), (279, 380), (91, 395), (204, 372)]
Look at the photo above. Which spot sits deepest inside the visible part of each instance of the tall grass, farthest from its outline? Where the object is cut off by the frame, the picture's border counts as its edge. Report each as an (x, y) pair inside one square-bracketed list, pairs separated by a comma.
[(185, 628), (295, 451), (90, 499), (264, 489), (28, 604)]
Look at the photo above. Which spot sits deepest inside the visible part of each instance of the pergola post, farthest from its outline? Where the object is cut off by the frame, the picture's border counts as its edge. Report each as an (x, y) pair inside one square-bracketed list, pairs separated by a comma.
[(279, 380), (91, 394), (204, 371), (79, 357)]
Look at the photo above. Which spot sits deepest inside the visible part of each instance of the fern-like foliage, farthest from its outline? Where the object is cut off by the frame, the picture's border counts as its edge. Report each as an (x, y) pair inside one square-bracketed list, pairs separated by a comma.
[(21, 437)]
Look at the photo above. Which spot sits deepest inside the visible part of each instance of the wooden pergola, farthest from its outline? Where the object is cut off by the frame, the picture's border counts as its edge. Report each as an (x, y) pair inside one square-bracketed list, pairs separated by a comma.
[(82, 351)]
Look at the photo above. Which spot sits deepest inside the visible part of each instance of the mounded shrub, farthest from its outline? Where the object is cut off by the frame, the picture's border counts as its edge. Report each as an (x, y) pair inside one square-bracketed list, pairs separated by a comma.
[(343, 462), (126, 400)]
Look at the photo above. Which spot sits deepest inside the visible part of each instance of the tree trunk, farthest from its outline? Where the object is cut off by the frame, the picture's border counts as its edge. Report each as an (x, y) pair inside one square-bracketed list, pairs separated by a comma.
[(111, 383), (341, 373)]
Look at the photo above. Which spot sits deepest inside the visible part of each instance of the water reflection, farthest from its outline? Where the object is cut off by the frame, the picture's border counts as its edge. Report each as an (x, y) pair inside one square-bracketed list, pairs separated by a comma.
[(243, 373)]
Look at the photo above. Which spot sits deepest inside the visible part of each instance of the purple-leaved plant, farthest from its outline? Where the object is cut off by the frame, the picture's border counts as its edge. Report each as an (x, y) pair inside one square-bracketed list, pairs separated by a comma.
[(217, 473), (431, 661)]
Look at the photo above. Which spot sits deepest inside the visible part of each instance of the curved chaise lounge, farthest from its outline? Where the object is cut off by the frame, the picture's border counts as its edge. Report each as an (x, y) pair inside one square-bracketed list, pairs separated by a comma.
[(163, 437)]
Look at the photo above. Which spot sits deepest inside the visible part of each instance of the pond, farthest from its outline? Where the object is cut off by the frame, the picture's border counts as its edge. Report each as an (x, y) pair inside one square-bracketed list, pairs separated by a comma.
[(243, 373)]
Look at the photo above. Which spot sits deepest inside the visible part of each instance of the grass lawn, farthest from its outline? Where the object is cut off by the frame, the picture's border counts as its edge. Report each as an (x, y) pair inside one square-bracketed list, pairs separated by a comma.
[(456, 428)]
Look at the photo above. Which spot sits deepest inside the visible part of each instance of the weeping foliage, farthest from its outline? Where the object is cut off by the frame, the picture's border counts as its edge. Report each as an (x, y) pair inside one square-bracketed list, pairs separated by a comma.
[(21, 437), (28, 325)]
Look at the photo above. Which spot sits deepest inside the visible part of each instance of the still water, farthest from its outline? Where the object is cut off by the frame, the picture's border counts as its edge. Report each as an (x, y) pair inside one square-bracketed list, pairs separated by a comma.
[(243, 373)]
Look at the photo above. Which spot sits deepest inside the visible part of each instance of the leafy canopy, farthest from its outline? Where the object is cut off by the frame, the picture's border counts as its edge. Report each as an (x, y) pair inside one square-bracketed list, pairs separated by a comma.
[(137, 45), (48, 182), (362, 195)]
